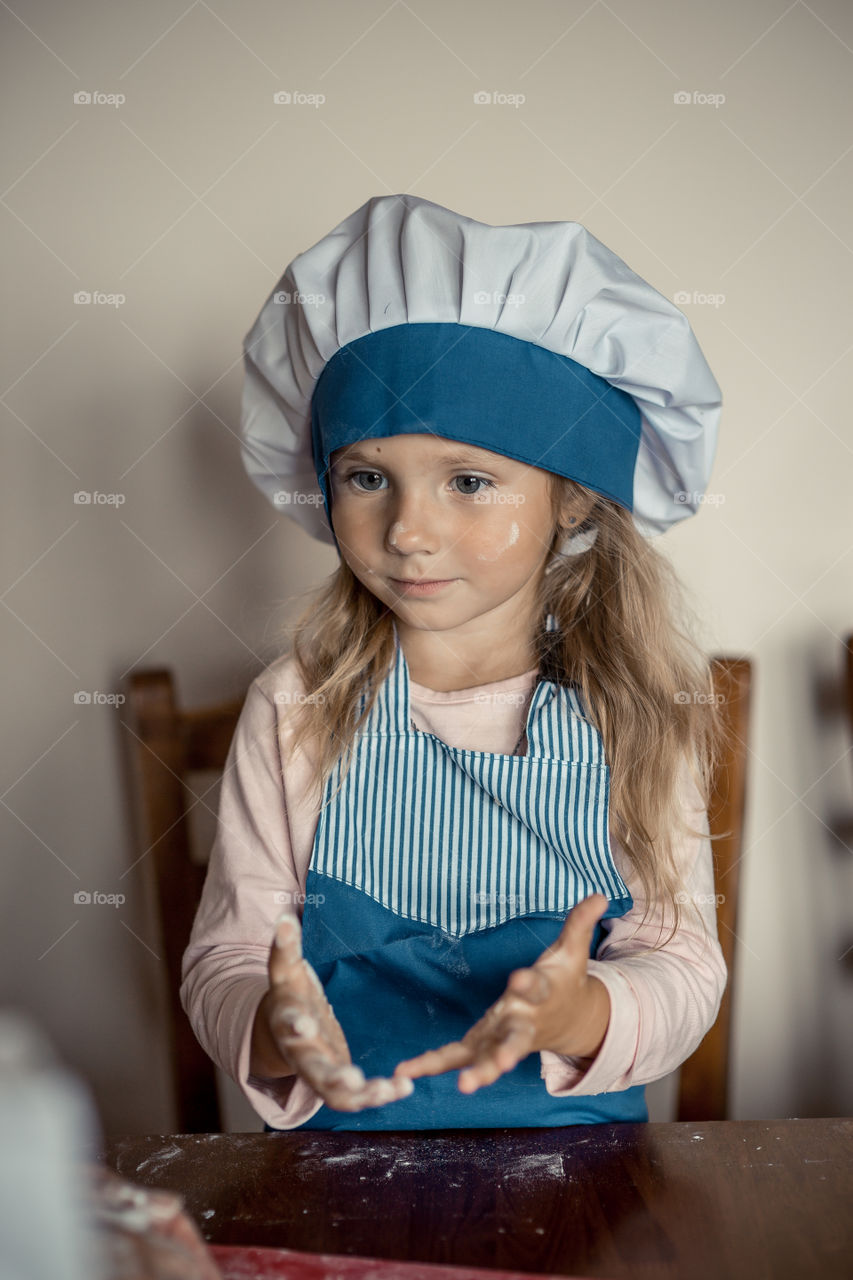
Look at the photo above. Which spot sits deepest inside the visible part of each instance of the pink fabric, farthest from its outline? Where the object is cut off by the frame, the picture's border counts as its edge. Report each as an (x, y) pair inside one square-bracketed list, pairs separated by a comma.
[(662, 1002)]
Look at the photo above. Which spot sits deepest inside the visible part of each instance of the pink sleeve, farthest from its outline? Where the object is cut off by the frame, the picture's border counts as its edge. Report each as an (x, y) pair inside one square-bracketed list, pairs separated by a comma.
[(662, 1003), (252, 874)]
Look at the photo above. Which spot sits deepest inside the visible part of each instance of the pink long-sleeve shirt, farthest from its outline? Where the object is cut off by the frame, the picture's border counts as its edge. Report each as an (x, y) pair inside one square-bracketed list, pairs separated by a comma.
[(661, 1002)]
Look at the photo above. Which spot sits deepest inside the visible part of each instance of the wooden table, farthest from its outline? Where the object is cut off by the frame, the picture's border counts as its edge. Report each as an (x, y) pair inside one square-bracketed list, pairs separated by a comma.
[(651, 1201)]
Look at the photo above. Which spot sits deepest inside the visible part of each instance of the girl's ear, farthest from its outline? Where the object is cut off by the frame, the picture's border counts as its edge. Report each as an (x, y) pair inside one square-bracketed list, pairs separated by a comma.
[(573, 511)]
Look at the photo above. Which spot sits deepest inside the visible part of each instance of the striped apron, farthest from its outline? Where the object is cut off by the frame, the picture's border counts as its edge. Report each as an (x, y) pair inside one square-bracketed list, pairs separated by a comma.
[(434, 873)]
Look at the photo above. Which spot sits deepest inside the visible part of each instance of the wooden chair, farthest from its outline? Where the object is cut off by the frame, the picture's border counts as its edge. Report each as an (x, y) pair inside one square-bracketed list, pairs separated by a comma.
[(846, 831), (170, 742), (703, 1079)]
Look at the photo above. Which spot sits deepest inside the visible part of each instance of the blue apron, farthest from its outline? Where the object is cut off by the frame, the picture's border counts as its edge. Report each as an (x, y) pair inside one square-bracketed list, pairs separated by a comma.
[(435, 872)]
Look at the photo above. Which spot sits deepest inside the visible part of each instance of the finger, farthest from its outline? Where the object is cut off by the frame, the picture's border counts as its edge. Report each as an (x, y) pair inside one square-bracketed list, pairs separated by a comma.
[(347, 1079), (297, 1039), (575, 936), (495, 1060), (293, 1022), (531, 984), (326, 1074), (342, 1085), (303, 994), (434, 1061), (380, 1091), (347, 1090), (286, 950), (286, 961)]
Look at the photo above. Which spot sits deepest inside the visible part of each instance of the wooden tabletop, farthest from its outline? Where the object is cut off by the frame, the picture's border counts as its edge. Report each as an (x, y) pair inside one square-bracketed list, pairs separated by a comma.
[(657, 1201)]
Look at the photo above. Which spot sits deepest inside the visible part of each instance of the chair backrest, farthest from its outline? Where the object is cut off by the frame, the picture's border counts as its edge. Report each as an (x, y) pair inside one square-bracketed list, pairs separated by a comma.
[(848, 679), (703, 1079), (169, 742)]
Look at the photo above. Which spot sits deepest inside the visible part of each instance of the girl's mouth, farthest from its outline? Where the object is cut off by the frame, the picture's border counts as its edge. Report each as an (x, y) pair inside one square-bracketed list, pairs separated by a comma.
[(421, 586)]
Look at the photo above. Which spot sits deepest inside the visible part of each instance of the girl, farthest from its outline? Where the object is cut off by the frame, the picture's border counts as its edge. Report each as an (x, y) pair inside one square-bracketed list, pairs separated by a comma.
[(478, 784)]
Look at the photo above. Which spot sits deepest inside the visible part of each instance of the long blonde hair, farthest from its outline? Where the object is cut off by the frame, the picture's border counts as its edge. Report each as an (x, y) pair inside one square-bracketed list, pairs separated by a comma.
[(645, 683)]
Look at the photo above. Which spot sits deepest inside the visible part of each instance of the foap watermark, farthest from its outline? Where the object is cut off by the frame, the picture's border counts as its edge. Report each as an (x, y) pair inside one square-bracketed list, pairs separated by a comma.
[(683, 696), (700, 899), (97, 298), (296, 497), (512, 900), (287, 898), (494, 297), (85, 898), (296, 98), (94, 498), (698, 99), (494, 98), (97, 98), (286, 698), (502, 699), (498, 498), (693, 498), (695, 298), (286, 296), (94, 698)]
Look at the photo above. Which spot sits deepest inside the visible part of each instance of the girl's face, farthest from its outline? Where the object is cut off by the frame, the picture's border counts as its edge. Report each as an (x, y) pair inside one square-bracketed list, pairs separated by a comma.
[(473, 527)]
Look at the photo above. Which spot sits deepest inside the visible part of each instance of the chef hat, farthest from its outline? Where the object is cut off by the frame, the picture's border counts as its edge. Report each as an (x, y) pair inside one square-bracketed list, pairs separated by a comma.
[(533, 340)]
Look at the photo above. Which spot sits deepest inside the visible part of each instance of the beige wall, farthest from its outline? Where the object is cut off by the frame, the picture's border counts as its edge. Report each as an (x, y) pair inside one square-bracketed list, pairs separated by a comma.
[(188, 198)]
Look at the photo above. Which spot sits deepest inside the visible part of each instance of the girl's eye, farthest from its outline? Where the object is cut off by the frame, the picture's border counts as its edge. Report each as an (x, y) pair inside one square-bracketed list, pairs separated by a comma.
[(366, 482), (373, 475), (478, 480)]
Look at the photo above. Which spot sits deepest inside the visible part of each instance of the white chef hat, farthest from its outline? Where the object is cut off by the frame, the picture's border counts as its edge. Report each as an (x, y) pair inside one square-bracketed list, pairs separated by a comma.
[(532, 340)]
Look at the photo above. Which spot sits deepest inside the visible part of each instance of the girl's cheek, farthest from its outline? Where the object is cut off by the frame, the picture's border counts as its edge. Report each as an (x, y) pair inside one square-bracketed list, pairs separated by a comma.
[(350, 523), (496, 542)]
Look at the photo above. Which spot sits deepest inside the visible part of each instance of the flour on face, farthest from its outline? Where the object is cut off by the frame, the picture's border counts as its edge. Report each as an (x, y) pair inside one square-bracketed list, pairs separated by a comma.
[(512, 538)]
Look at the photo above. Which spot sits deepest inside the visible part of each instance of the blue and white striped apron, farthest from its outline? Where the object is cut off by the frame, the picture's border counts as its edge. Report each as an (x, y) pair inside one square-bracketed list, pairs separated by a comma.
[(434, 873)]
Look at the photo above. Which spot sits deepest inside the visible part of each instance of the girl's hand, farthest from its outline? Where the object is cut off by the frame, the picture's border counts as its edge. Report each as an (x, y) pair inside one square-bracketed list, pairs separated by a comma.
[(295, 1032), (554, 1005), (144, 1234)]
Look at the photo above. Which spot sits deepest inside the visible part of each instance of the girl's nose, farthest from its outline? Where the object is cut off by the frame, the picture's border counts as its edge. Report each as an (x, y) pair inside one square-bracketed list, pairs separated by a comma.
[(412, 526)]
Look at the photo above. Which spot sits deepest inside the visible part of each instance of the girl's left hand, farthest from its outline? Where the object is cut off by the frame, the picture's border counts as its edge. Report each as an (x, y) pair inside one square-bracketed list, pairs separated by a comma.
[(554, 1005)]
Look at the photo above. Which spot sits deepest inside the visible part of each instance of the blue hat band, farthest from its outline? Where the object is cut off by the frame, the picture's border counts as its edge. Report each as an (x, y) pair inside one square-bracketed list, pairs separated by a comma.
[(484, 388)]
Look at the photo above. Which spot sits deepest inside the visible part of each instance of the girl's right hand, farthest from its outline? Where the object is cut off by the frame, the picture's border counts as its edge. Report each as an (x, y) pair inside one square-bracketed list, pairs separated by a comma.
[(295, 1032)]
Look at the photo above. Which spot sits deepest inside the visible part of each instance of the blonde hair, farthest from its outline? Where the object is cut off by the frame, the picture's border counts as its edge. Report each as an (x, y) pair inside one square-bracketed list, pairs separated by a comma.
[(644, 682)]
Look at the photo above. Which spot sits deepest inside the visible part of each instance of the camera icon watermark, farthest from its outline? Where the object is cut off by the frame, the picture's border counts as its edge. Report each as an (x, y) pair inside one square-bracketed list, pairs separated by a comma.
[(96, 98), (698, 698), (296, 98), (695, 298), (694, 498), (86, 698), (97, 298), (288, 898), (503, 699), (495, 98), (498, 498), (286, 698), (700, 899), (494, 297), (297, 498), (284, 297), (697, 99), (84, 898), (511, 900), (84, 498)]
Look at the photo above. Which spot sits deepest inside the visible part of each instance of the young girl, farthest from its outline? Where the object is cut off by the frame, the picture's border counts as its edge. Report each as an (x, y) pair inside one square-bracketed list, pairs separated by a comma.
[(463, 824)]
